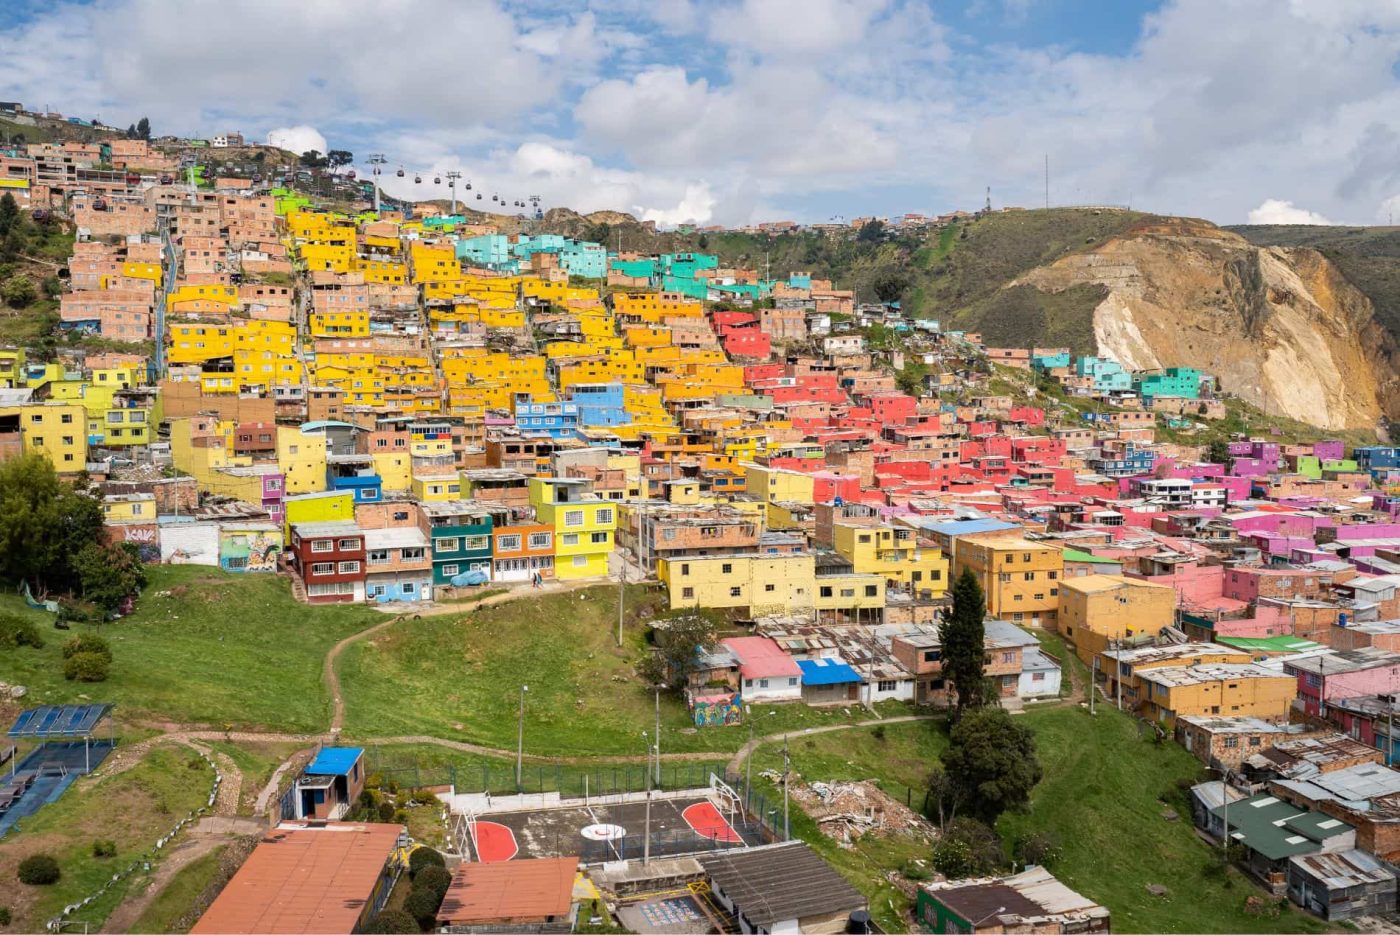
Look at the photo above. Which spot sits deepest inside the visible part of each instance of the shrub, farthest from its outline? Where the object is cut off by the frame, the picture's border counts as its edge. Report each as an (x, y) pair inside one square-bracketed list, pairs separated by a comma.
[(16, 631), (386, 811), (39, 870), (86, 667), (4, 915), (87, 643), (392, 922), (437, 879), (968, 848), (423, 905), (1038, 847), (424, 857), (879, 732), (102, 848)]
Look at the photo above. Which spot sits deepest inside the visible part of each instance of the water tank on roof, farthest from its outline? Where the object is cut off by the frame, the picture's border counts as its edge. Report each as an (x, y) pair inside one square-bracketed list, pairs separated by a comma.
[(1341, 620)]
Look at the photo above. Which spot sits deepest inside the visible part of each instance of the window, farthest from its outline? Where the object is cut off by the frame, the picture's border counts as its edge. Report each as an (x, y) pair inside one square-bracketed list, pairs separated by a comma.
[(762, 683), (824, 591), (1040, 597), (792, 681), (685, 568), (864, 538), (540, 540), (349, 545), (476, 543), (770, 588), (400, 515), (580, 561), (1003, 577), (871, 590), (736, 592), (1016, 597), (323, 568), (67, 418), (1028, 576), (445, 545), (848, 592), (449, 570), (886, 685), (573, 518), (604, 516), (726, 568), (1008, 657), (377, 557), (509, 543), (599, 538), (1231, 742), (1053, 575), (1018, 616), (569, 538), (322, 545), (332, 588), (349, 568), (932, 655), (411, 555), (1037, 676), (688, 593)]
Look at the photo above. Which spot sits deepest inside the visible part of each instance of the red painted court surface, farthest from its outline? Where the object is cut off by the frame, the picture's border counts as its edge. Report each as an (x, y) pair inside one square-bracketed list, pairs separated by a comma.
[(684, 825), (494, 842), (709, 823)]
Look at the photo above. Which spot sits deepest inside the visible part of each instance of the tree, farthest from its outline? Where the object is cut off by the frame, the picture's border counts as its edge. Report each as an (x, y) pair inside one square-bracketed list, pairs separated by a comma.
[(424, 857), (43, 523), (9, 214), (872, 231), (18, 291), (108, 574), (313, 159), (943, 797), (422, 904), (1219, 452), (968, 848), (964, 645), (679, 643), (339, 157), (991, 763), (392, 922), (911, 379), (143, 128), (131, 132)]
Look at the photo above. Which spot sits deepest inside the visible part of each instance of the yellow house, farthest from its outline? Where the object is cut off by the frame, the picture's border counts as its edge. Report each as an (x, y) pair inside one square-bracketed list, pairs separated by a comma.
[(57, 430), (777, 485), (1223, 689), (129, 508), (1096, 610), (321, 507), (1020, 578), (12, 367), (583, 525), (894, 554), (302, 460), (436, 488), (770, 584), (395, 470)]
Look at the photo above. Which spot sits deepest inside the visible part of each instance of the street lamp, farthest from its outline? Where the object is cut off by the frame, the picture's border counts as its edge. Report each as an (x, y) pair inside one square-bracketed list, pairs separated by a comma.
[(995, 912), (520, 742)]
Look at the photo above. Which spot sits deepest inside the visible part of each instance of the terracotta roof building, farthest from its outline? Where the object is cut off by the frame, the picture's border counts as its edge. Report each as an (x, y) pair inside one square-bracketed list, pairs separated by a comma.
[(492, 896), (305, 878)]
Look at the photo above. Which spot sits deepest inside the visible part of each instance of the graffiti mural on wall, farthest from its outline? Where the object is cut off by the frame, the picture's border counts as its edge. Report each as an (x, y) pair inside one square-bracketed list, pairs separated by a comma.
[(146, 538), (251, 550), (716, 710)]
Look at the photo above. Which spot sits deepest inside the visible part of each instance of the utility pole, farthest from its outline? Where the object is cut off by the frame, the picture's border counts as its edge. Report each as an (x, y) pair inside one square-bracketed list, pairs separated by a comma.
[(520, 742), (1225, 808), (1093, 682), (658, 737), (787, 772), (646, 835), (748, 761), (1118, 678), (621, 595)]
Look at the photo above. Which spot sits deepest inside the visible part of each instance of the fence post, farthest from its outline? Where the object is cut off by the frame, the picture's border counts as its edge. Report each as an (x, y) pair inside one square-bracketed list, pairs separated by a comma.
[(485, 777)]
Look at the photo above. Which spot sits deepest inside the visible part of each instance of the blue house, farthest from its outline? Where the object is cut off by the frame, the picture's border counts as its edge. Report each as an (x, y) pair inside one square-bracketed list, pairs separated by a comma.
[(557, 420), (355, 473), (829, 681), (328, 787), (1108, 375), (600, 404)]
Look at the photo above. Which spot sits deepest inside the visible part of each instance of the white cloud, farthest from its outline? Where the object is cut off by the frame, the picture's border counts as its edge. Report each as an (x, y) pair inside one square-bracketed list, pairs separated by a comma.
[(1274, 211), (297, 139)]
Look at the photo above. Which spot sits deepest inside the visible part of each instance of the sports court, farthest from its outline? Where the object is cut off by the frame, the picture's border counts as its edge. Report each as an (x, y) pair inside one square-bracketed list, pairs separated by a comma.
[(687, 824)]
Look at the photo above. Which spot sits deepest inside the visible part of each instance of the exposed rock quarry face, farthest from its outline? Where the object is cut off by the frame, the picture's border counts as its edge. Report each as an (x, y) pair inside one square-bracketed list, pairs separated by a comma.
[(1280, 328)]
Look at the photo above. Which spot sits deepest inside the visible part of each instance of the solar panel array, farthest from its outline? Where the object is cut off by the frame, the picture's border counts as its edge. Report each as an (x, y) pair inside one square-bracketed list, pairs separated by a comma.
[(69, 720)]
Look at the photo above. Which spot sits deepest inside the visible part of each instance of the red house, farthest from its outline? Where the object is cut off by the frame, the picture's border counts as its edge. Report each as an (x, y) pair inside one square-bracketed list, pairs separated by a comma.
[(330, 560)]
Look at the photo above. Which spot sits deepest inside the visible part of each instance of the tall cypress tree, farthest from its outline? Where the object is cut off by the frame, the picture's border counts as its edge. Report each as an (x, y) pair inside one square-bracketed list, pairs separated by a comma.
[(964, 651)]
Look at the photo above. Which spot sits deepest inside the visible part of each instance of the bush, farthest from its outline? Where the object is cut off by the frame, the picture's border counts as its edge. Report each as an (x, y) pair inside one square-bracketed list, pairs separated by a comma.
[(1038, 847), (386, 811), (18, 291), (87, 643), (16, 631), (423, 905), (967, 849), (392, 922), (437, 879), (102, 848), (424, 857), (86, 667), (4, 915), (39, 870)]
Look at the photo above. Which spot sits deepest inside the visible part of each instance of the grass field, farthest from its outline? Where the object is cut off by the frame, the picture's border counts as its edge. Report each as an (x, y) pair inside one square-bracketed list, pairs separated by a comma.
[(459, 677), (204, 647), (176, 901), (1102, 797), (132, 809), (257, 762)]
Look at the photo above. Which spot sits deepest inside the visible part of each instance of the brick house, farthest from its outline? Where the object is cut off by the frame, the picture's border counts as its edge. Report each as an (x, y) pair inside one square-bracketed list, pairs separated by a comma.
[(330, 560)]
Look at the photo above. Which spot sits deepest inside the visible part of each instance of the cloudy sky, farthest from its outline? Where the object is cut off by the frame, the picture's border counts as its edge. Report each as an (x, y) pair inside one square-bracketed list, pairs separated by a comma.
[(727, 111)]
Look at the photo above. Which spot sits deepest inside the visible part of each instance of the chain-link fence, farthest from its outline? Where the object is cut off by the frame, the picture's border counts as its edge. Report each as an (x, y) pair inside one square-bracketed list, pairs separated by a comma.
[(568, 779)]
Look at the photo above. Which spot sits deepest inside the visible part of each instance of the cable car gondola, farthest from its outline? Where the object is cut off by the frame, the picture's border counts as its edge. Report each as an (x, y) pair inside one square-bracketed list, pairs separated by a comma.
[(418, 180), (478, 196), (350, 175), (437, 180), (469, 186), (400, 172)]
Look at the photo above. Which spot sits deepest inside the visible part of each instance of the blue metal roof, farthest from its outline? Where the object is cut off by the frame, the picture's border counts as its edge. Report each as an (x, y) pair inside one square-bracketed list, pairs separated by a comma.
[(827, 672), (335, 761), (69, 720), (967, 527)]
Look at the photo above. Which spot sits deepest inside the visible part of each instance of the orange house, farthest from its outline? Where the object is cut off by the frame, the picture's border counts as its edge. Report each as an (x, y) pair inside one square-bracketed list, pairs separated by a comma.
[(523, 550)]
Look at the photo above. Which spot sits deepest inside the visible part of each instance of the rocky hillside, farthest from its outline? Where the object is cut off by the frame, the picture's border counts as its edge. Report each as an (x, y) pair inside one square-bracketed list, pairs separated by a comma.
[(1281, 326)]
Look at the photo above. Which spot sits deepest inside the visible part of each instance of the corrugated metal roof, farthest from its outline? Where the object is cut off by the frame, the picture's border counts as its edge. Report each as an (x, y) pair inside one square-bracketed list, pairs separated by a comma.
[(827, 671), (335, 761)]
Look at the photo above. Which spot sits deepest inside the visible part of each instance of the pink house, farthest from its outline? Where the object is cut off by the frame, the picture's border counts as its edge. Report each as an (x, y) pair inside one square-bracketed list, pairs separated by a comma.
[(767, 673), (1352, 673)]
